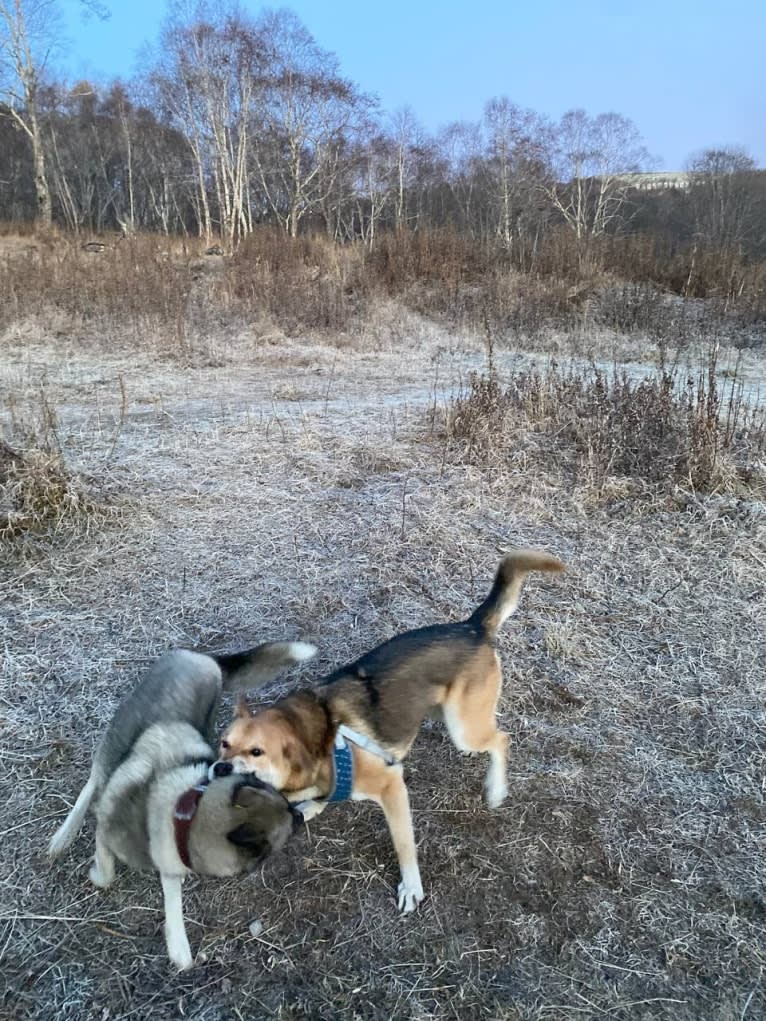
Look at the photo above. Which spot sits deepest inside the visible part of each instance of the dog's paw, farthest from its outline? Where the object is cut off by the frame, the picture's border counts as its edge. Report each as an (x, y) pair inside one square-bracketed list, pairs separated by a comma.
[(495, 791), (310, 809), (410, 894), (182, 962), (59, 842), (102, 878), (180, 954)]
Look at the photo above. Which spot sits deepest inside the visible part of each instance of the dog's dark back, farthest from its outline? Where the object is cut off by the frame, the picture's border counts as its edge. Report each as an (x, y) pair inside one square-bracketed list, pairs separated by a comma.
[(394, 686)]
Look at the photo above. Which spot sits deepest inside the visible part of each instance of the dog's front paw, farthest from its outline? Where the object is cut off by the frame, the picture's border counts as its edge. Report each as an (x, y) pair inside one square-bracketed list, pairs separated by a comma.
[(410, 894), (310, 809), (182, 962), (180, 954)]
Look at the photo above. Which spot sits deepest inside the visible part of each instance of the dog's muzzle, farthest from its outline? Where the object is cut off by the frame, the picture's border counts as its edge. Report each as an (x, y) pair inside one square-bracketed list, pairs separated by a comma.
[(221, 768)]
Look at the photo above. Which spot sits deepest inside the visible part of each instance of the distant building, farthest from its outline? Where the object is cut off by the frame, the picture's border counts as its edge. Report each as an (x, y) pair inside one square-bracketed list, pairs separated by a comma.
[(661, 180)]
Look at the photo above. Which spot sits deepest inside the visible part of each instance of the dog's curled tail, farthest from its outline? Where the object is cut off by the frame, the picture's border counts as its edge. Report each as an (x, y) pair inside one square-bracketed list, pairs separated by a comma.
[(504, 595), (72, 825), (255, 667)]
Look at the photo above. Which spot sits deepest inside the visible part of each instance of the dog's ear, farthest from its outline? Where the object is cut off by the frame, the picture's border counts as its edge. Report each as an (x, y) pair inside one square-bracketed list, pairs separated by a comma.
[(249, 796), (242, 710), (297, 757)]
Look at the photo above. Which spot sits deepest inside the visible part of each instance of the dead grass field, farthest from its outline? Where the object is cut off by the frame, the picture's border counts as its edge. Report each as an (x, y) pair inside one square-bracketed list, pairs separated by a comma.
[(299, 491)]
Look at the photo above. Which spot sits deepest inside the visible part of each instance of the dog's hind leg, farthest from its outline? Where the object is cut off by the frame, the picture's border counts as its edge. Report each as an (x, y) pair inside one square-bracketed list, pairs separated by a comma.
[(495, 782), (469, 713), (71, 826), (102, 870), (176, 939)]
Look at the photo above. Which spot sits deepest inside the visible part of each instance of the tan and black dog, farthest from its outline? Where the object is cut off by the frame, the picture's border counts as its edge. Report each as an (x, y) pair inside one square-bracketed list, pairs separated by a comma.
[(348, 736)]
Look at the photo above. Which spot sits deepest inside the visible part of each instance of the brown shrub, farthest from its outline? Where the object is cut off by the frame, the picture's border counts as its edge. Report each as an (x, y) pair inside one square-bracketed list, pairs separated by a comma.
[(129, 283), (38, 491), (150, 286), (305, 283), (666, 428)]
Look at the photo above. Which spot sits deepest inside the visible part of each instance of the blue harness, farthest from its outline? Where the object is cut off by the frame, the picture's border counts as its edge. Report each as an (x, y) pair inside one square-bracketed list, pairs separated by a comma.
[(343, 761)]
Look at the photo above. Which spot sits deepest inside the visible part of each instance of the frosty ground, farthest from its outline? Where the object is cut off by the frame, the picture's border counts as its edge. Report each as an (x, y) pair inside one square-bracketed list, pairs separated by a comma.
[(305, 489)]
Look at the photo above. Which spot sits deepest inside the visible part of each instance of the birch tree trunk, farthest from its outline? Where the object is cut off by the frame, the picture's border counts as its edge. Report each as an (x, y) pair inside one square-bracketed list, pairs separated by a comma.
[(20, 95)]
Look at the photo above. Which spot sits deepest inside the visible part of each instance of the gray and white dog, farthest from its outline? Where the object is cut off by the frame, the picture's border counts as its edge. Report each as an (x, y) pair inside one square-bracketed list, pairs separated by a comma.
[(155, 808)]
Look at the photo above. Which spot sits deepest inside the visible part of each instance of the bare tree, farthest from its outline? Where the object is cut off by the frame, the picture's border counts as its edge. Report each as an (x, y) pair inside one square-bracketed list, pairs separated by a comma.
[(28, 33), (182, 108), (266, 114), (72, 141), (305, 112), (462, 147), (590, 160), (407, 136), (514, 164), (224, 58), (373, 184), (26, 28), (205, 80), (17, 198), (118, 109), (722, 196)]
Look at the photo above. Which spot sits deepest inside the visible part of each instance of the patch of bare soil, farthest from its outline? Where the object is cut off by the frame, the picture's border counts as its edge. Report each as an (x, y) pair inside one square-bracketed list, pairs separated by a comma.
[(623, 878)]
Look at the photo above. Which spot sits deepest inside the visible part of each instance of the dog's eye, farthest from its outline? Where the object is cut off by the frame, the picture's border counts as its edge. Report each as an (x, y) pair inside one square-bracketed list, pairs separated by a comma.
[(256, 751), (225, 745)]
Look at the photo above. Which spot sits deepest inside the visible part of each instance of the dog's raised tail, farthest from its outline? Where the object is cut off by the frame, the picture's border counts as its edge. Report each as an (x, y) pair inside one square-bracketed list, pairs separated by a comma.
[(504, 594), (256, 667)]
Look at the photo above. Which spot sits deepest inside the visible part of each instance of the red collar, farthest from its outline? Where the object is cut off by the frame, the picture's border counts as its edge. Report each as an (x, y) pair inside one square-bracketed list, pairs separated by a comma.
[(186, 809)]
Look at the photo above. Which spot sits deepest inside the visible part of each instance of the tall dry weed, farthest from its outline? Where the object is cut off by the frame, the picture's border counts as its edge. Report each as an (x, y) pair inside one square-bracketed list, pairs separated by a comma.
[(667, 428), (305, 283), (152, 291), (39, 490)]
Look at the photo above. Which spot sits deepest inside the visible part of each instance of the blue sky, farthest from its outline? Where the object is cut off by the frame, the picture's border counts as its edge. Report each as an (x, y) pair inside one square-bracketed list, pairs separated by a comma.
[(689, 73)]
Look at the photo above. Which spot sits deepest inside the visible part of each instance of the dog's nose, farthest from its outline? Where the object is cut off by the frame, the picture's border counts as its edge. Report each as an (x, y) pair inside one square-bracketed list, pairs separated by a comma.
[(222, 768)]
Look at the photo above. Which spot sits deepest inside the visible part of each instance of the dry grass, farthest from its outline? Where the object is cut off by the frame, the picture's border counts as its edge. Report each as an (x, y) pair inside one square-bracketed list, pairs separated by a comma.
[(167, 296), (669, 428), (39, 490), (153, 294), (624, 877)]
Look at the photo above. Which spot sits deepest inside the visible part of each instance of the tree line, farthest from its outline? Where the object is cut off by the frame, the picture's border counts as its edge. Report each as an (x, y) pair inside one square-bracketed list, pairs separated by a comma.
[(239, 121)]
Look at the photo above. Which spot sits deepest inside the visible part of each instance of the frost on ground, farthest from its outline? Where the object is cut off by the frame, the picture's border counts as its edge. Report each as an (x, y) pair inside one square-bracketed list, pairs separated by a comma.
[(309, 493)]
